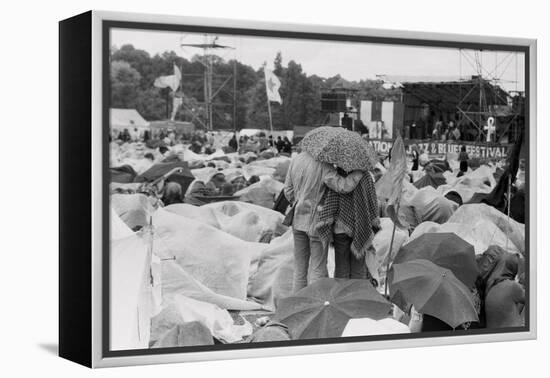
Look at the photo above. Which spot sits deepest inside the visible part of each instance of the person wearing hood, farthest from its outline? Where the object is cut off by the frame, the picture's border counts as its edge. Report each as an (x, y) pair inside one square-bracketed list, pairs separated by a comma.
[(503, 296)]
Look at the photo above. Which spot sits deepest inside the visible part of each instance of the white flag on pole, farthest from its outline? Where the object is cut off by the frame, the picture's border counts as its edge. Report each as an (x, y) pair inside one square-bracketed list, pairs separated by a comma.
[(170, 81), (272, 85)]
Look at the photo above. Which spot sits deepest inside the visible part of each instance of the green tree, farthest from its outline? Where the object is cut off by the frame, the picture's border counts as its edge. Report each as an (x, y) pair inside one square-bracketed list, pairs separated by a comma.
[(124, 85)]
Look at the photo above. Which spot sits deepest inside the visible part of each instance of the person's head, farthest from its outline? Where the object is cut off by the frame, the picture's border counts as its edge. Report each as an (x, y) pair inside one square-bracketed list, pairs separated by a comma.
[(286, 139), (455, 197), (227, 189), (279, 137), (239, 180), (253, 179), (163, 149), (218, 179), (172, 193), (149, 156)]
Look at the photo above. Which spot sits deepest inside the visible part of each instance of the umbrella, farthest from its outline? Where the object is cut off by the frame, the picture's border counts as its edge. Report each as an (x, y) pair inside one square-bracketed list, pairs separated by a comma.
[(447, 250), (336, 145), (437, 166), (432, 179), (432, 290), (124, 174), (175, 171), (323, 308)]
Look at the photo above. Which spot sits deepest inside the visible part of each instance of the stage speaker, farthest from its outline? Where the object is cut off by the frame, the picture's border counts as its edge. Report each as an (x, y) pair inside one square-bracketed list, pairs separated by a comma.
[(333, 102)]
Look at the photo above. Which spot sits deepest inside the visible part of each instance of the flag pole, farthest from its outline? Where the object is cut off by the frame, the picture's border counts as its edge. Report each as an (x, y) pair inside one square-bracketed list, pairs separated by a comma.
[(389, 252), (268, 102), (269, 112), (508, 210)]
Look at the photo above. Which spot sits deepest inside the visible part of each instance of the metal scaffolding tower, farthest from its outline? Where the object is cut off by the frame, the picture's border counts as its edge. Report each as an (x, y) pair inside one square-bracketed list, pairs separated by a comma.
[(208, 47)]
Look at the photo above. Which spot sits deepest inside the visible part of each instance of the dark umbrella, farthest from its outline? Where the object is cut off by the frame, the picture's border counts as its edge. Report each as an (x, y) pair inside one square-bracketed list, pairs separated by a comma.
[(174, 171), (336, 145), (430, 179), (447, 250), (123, 174), (432, 290), (323, 308)]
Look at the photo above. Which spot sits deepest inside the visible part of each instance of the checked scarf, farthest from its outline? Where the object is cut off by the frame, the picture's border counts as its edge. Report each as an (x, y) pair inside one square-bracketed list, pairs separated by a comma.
[(356, 211)]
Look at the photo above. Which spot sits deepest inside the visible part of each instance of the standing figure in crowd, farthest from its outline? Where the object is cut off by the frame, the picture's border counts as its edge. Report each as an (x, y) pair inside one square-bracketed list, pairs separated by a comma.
[(279, 144), (262, 143), (413, 130), (287, 146), (305, 183), (415, 157), (233, 143), (463, 159)]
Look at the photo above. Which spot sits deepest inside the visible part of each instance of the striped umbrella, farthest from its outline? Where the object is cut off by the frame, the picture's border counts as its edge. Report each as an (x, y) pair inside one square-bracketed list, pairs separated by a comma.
[(344, 148)]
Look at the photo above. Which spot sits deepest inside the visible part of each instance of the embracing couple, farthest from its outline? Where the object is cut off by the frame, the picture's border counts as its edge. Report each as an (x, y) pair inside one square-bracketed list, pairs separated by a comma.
[(330, 205)]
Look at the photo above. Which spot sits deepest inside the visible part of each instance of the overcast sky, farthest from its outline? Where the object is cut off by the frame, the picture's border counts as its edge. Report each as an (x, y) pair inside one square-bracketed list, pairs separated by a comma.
[(353, 61)]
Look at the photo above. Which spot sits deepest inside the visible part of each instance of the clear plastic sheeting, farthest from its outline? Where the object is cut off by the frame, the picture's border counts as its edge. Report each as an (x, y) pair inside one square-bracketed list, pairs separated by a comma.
[(184, 310), (134, 209), (427, 204), (119, 229), (479, 233), (481, 212), (262, 193), (175, 280), (480, 180), (376, 258), (247, 221), (132, 302), (273, 260), (215, 258)]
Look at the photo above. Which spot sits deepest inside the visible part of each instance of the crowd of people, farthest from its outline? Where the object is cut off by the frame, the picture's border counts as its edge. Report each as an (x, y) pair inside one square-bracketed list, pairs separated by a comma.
[(316, 188), (336, 218)]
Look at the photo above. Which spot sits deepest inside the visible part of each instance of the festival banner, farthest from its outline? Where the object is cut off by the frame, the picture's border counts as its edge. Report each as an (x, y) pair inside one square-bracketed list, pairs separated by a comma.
[(474, 149)]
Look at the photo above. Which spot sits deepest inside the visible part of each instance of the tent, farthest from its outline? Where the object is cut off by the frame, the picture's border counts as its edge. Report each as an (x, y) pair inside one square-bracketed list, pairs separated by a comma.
[(121, 119)]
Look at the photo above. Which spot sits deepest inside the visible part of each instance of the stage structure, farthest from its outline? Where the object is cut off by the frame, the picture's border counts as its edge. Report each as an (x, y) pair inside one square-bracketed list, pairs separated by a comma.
[(477, 104), (213, 84), (493, 103), (337, 102)]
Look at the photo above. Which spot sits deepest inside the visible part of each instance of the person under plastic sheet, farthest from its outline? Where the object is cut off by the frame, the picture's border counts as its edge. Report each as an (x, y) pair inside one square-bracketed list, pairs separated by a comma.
[(502, 295)]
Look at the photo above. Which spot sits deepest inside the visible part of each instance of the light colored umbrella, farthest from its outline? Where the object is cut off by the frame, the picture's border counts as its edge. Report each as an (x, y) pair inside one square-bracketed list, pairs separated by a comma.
[(336, 145)]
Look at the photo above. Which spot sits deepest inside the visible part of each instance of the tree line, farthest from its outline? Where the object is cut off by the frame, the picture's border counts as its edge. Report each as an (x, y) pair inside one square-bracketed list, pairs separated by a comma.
[(133, 72)]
